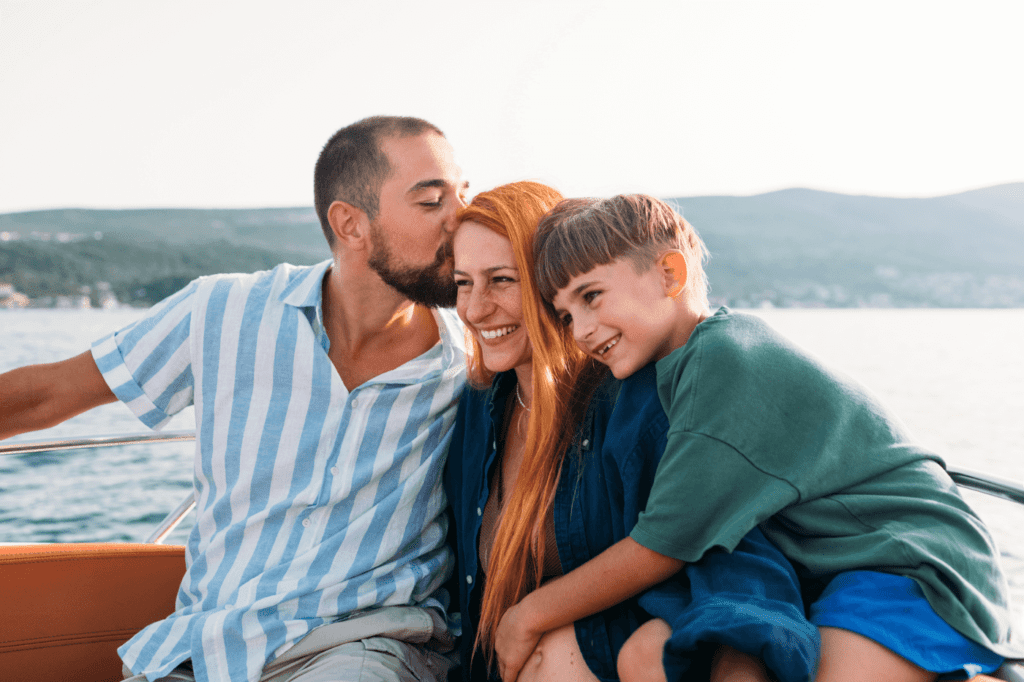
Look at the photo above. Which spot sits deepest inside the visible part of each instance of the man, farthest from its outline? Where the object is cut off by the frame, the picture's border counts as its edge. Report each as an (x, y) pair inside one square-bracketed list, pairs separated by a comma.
[(324, 401)]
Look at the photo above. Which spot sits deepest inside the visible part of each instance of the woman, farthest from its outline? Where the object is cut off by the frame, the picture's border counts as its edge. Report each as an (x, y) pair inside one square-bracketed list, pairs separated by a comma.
[(551, 459)]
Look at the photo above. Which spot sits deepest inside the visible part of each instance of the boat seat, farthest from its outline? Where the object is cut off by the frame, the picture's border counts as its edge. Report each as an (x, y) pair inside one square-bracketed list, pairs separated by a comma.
[(67, 607)]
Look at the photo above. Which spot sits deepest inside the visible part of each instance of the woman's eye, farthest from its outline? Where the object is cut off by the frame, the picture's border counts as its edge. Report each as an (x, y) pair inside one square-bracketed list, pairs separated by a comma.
[(566, 320), (590, 296), (460, 282)]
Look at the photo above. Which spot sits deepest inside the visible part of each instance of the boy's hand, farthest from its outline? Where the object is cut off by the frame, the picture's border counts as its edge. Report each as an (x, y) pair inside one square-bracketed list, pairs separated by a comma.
[(514, 641)]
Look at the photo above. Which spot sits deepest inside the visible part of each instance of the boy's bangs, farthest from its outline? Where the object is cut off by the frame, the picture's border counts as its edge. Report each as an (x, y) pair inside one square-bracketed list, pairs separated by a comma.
[(572, 248)]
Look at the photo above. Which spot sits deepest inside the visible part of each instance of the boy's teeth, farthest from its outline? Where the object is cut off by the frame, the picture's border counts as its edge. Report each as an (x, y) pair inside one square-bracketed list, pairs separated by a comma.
[(495, 333)]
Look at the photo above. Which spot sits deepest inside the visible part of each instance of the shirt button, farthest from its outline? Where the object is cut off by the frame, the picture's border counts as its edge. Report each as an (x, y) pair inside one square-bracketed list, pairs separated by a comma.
[(355, 403), (334, 471), (469, 580), (586, 442), (479, 511), (306, 522)]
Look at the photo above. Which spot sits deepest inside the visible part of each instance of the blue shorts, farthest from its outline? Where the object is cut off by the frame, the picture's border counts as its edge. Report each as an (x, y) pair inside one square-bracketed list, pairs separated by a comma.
[(893, 611)]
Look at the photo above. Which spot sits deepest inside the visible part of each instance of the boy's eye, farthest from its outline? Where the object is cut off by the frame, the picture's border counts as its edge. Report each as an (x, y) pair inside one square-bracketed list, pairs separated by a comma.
[(565, 319), (461, 282), (591, 295)]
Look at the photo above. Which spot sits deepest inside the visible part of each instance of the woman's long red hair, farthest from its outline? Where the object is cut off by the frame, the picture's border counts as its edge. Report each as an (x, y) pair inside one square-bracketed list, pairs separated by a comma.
[(563, 378)]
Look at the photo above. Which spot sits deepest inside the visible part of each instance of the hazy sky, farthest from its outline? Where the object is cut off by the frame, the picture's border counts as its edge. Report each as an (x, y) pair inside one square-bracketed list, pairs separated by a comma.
[(132, 103)]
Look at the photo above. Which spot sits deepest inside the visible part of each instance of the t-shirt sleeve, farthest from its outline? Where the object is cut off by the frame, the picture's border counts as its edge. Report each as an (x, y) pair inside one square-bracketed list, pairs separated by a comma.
[(148, 364), (706, 494)]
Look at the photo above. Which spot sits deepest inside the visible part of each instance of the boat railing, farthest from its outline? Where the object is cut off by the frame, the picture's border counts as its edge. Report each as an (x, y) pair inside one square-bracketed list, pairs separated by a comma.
[(172, 520), (966, 478)]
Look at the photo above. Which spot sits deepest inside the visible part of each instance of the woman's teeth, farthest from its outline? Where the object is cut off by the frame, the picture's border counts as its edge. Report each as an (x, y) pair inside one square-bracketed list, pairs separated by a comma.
[(495, 333)]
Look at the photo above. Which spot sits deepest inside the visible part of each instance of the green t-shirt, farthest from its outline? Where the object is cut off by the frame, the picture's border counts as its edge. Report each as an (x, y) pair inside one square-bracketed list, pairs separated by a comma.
[(761, 434)]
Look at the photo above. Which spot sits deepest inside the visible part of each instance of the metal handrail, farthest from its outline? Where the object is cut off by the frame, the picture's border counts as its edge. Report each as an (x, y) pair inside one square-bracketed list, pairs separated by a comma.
[(29, 446), (996, 486), (987, 483), (171, 521)]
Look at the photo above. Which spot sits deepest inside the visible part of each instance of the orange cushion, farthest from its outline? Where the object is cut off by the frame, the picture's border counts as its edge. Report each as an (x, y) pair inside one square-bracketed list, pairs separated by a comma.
[(67, 607)]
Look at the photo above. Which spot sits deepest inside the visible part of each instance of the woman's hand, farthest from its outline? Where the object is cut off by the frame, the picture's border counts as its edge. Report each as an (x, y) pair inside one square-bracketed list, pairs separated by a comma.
[(514, 641)]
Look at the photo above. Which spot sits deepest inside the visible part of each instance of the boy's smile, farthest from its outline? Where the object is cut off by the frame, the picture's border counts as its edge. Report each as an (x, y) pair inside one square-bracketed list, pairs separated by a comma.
[(620, 317)]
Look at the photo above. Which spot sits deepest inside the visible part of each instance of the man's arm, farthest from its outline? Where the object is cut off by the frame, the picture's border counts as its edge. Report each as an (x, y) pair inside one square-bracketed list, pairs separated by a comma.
[(39, 396), (625, 569)]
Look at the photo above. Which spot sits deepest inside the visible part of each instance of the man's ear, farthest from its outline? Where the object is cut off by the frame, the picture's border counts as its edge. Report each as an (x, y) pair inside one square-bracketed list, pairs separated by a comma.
[(349, 224), (674, 272)]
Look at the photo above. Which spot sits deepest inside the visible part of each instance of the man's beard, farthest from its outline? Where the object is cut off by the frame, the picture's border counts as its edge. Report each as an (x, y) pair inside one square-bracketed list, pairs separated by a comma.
[(431, 285)]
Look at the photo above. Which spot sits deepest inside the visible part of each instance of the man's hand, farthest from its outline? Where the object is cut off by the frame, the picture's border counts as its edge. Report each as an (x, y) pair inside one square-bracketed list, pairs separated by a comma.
[(514, 641)]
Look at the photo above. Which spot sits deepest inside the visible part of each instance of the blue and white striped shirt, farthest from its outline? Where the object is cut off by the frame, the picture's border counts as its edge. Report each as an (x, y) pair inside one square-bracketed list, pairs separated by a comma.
[(312, 501)]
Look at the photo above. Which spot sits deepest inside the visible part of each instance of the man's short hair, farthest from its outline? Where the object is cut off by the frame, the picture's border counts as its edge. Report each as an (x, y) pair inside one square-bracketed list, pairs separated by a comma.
[(352, 166)]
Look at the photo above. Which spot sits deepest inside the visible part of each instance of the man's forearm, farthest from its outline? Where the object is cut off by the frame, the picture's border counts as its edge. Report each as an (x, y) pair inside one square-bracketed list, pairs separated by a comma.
[(40, 396), (623, 570)]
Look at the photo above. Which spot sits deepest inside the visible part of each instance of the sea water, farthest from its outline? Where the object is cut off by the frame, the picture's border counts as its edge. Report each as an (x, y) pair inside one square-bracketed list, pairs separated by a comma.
[(955, 377)]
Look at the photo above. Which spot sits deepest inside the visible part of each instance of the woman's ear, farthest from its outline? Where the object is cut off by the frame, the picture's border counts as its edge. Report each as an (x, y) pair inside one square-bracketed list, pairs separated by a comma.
[(348, 223), (674, 272)]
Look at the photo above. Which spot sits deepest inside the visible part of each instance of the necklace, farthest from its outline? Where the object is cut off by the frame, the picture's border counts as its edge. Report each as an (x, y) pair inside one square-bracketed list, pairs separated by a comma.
[(519, 398)]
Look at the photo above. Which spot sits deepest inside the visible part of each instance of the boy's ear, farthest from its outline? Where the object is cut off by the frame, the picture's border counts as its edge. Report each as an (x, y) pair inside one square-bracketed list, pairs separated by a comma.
[(674, 272), (348, 223)]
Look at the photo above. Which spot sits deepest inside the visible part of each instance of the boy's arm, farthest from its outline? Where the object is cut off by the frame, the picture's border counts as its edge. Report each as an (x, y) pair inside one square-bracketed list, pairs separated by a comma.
[(40, 396), (623, 570)]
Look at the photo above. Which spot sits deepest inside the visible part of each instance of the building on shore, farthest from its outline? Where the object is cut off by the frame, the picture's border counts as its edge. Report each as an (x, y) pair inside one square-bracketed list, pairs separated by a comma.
[(10, 298)]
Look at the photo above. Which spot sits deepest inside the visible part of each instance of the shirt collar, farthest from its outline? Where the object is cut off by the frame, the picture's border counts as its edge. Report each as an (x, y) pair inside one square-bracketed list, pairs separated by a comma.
[(453, 337), (307, 291)]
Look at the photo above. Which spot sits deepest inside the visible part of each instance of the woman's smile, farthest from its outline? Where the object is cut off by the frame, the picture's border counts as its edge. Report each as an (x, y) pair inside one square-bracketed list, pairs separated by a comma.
[(497, 333), (490, 299)]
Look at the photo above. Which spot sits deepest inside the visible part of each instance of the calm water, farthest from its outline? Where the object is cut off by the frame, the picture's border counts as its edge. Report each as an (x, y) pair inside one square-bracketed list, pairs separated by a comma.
[(955, 377)]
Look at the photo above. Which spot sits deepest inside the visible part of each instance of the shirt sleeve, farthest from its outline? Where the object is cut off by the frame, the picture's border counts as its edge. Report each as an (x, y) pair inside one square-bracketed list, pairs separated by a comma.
[(706, 494), (148, 364)]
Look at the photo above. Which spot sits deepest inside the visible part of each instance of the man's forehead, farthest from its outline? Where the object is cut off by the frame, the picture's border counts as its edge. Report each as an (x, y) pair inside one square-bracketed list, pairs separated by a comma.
[(421, 161)]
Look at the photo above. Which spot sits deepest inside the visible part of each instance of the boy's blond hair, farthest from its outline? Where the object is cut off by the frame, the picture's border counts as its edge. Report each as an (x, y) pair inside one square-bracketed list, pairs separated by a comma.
[(577, 235)]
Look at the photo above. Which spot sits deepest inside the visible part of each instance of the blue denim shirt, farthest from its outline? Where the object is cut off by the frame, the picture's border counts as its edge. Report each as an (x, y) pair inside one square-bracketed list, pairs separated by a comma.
[(604, 485)]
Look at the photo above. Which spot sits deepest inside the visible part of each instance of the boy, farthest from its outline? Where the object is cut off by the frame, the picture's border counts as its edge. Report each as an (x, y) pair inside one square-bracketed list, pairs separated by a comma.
[(902, 578)]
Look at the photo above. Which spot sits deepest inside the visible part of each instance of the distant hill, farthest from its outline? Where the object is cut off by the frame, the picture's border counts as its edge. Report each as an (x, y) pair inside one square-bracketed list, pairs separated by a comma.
[(281, 230), (148, 254), (805, 247), (792, 247)]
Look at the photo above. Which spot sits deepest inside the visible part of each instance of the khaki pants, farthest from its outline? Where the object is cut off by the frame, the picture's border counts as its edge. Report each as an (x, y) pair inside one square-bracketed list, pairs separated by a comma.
[(390, 644)]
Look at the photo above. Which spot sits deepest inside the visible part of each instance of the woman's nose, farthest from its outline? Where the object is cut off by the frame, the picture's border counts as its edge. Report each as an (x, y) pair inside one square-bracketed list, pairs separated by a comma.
[(479, 306)]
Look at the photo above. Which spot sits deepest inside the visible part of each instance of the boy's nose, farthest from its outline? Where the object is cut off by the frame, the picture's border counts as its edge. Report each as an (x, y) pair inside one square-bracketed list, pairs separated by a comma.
[(582, 328)]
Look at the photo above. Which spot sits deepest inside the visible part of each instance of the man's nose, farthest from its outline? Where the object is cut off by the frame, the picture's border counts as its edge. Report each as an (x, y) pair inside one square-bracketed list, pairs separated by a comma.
[(449, 222)]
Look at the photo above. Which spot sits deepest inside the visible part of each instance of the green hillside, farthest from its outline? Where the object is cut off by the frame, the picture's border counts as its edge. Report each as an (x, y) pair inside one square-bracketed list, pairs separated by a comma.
[(792, 247), (806, 247)]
